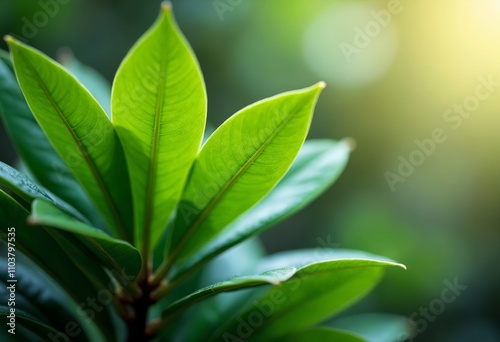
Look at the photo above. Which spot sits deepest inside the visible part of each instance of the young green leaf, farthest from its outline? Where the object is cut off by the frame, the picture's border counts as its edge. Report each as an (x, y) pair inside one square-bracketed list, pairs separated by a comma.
[(98, 86), (314, 293), (36, 151), (319, 334), (116, 255), (159, 110), (239, 164), (274, 277), (318, 165), (376, 327), (80, 132), (43, 249)]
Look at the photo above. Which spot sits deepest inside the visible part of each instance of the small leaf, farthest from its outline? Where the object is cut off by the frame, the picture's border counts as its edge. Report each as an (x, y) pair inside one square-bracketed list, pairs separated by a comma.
[(116, 255), (159, 110), (319, 334), (317, 166), (239, 164), (80, 132), (314, 293), (376, 327), (98, 86), (36, 151)]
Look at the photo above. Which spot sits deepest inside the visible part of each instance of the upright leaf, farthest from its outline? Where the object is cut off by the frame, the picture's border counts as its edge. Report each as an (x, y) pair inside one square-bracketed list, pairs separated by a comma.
[(79, 130), (317, 166), (239, 164), (159, 110), (36, 151)]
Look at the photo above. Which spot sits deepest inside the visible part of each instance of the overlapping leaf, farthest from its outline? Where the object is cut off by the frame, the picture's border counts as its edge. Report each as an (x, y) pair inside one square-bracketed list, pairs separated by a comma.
[(314, 293), (317, 166), (36, 151), (79, 130)]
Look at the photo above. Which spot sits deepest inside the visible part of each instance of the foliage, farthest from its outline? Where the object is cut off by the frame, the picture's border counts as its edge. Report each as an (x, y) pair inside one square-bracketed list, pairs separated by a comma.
[(121, 214)]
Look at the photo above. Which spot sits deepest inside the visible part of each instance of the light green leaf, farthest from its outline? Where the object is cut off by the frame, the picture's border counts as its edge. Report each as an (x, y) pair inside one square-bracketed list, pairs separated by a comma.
[(36, 151), (116, 255), (319, 334), (317, 166), (376, 327), (273, 277), (314, 293), (80, 132), (98, 86), (159, 110), (40, 246), (239, 164)]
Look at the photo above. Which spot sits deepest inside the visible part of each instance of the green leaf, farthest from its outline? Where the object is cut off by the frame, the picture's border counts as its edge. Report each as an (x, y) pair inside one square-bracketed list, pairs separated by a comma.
[(376, 327), (98, 86), (273, 277), (318, 334), (239, 164), (80, 132), (317, 166), (116, 255), (36, 151), (314, 293), (39, 245), (159, 110), (28, 191)]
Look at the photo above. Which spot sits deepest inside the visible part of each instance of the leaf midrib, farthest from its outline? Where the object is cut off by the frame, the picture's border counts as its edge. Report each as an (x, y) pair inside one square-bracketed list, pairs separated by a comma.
[(204, 214), (92, 167), (149, 210)]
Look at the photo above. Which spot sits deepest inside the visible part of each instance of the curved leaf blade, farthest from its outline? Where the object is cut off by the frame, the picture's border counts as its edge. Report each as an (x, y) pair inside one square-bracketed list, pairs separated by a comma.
[(314, 293), (116, 255), (80, 132), (239, 164), (159, 110), (273, 277), (34, 325), (318, 164), (36, 151)]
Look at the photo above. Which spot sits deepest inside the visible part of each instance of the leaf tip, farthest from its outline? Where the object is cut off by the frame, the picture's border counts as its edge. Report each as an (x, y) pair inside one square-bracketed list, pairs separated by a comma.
[(32, 220), (166, 7), (350, 143), (8, 39), (322, 84)]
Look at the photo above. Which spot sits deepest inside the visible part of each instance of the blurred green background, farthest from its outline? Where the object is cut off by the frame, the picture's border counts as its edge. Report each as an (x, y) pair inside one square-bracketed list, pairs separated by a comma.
[(396, 70)]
